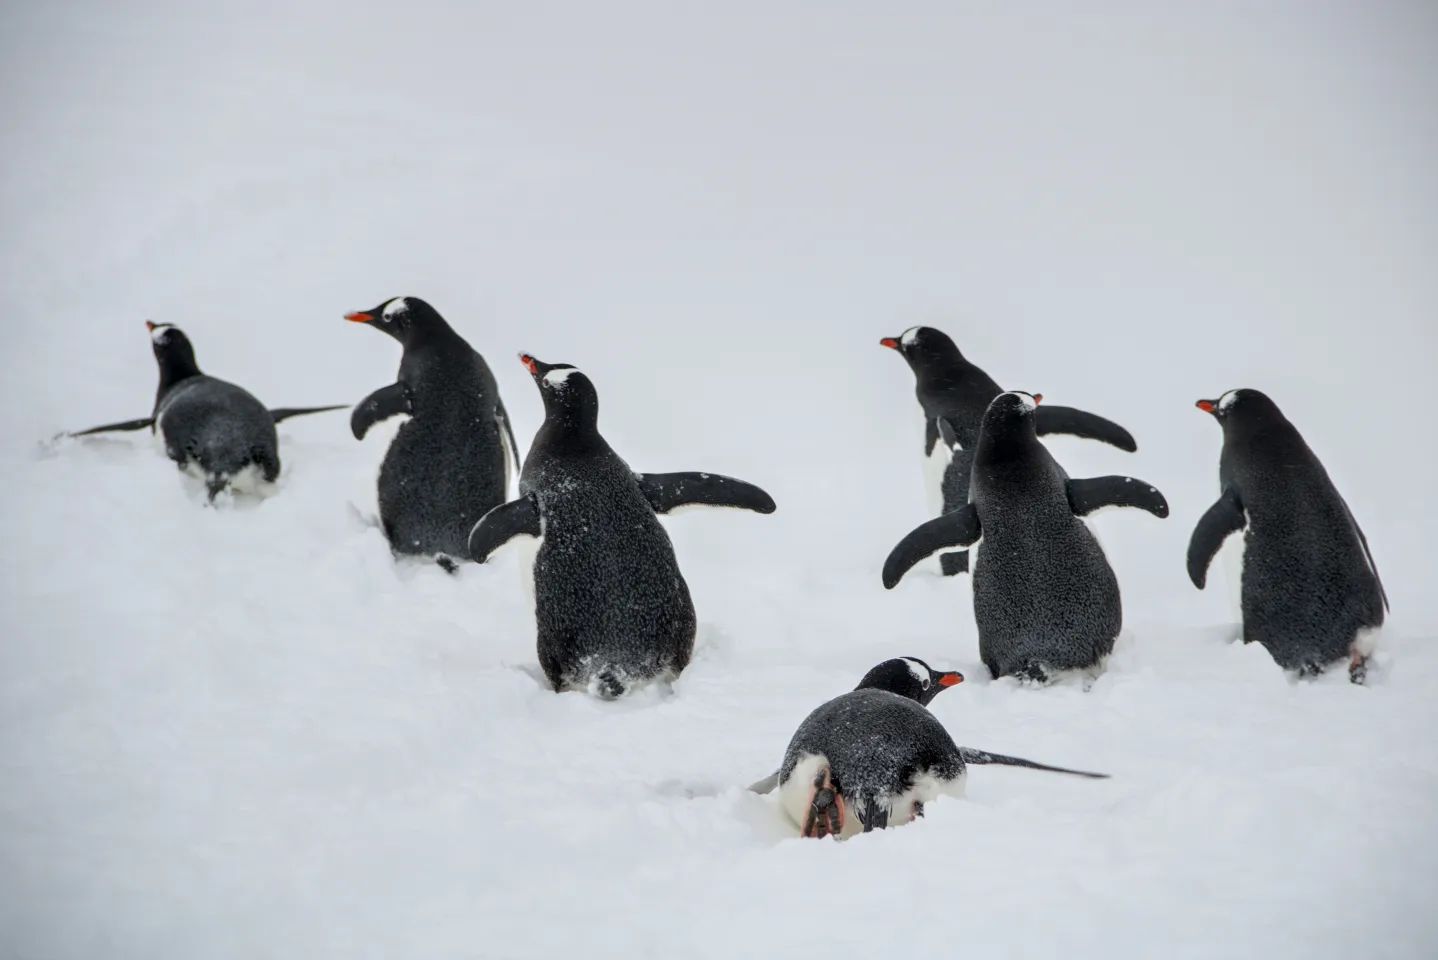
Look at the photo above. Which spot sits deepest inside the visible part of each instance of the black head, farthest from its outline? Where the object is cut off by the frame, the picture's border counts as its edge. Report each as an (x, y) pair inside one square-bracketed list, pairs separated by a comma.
[(569, 397), (403, 318), (173, 352), (924, 346), (909, 677), (1242, 407), (1012, 411)]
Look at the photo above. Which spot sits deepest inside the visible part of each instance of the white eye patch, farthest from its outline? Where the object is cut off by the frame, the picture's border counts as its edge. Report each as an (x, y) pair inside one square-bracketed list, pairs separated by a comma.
[(159, 333), (1027, 401), (917, 669), (395, 307), (1227, 400), (557, 377), (908, 337)]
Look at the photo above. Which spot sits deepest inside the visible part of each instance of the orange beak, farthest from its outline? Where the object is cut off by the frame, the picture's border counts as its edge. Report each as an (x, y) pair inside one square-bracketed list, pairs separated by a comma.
[(359, 317), (1207, 406), (530, 364), (951, 679), (1038, 398), (889, 342), (150, 325)]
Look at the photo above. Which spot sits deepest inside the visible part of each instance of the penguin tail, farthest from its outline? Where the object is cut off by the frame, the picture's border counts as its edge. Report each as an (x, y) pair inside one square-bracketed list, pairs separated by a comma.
[(606, 685), (216, 484)]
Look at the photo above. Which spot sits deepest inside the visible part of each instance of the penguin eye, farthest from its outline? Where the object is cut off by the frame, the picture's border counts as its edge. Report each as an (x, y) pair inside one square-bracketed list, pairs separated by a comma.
[(925, 683)]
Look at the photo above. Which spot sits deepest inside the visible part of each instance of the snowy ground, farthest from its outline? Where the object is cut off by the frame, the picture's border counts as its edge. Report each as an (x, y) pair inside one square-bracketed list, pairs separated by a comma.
[(245, 732)]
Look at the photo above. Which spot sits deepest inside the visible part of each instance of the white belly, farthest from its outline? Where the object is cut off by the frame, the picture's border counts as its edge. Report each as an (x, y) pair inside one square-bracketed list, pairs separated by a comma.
[(1230, 555), (935, 465), (527, 549)]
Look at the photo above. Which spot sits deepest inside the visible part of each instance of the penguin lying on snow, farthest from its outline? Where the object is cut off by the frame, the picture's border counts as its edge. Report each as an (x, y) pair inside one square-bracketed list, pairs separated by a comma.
[(954, 395), (1045, 596), (612, 607), (450, 462), (210, 427), (872, 758), (1310, 589)]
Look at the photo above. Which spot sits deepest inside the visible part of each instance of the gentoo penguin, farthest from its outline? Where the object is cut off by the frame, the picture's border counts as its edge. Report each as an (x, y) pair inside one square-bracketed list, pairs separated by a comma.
[(1045, 597), (451, 460), (1310, 590), (873, 757), (954, 395), (612, 607), (210, 428)]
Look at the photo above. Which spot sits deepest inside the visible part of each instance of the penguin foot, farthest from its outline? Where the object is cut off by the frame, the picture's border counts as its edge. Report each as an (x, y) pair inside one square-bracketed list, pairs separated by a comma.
[(1358, 669), (445, 563), (1034, 672), (826, 808), (606, 686)]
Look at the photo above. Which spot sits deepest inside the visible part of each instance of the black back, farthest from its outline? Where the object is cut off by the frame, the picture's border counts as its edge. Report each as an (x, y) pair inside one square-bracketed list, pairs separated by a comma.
[(207, 421), (446, 466), (1044, 593), (876, 743), (611, 604), (1309, 582)]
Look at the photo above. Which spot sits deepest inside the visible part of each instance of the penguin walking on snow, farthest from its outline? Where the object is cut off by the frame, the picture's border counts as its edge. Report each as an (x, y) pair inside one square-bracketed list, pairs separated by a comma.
[(211, 428), (1045, 597), (954, 394), (1310, 589), (872, 758), (452, 458), (613, 610)]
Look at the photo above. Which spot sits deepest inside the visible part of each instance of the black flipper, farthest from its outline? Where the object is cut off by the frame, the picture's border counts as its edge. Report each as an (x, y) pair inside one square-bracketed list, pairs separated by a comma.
[(947, 434), (114, 427), (284, 413), (1086, 496), (517, 518), (1080, 423), (957, 529), (971, 755), (1225, 517), (668, 491), (931, 435), (384, 403)]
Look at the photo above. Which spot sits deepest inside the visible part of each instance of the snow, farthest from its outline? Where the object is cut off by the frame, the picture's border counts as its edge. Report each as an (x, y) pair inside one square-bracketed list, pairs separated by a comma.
[(245, 731)]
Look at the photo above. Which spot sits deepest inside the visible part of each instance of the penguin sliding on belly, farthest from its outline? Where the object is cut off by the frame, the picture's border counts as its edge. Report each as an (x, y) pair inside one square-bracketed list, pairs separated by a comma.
[(874, 757), (1045, 597), (954, 394), (451, 460), (613, 610), (210, 428), (1310, 589)]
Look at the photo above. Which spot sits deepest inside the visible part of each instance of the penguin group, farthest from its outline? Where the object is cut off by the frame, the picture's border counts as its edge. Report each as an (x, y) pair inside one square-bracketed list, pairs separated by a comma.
[(613, 611)]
